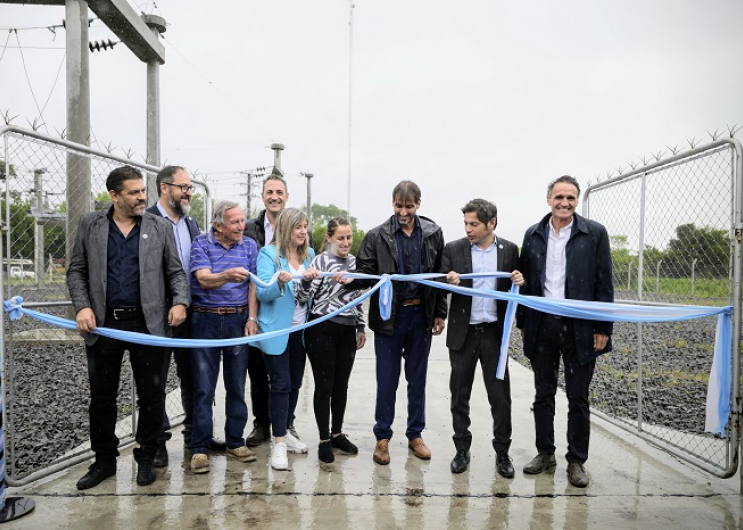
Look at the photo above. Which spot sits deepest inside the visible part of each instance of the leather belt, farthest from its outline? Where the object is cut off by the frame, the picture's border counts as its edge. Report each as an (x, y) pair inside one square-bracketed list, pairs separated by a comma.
[(231, 310), (411, 301), (124, 313)]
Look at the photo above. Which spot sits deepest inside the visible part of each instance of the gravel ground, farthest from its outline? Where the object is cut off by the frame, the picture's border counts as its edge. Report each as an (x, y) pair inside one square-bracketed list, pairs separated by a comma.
[(48, 395), (48, 388), (677, 358)]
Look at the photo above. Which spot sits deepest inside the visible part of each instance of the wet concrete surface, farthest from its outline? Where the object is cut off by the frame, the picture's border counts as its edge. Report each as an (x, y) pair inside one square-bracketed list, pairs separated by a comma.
[(633, 485)]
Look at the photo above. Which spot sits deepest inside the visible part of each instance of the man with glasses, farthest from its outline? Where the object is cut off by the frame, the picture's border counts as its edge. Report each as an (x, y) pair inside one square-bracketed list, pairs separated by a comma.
[(174, 190)]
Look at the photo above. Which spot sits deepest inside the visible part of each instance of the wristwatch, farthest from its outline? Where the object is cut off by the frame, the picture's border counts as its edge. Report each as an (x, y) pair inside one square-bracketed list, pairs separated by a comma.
[(252, 319)]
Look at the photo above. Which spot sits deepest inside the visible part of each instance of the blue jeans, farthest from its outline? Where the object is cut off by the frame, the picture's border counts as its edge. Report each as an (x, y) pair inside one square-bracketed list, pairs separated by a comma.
[(411, 342), (285, 373), (205, 368)]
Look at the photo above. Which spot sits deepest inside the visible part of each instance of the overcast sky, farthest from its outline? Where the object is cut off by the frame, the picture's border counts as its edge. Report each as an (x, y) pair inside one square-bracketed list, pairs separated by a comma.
[(479, 98)]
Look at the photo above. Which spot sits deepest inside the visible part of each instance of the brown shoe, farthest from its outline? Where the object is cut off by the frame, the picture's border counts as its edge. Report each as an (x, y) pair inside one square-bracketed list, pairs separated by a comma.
[(382, 452), (420, 449)]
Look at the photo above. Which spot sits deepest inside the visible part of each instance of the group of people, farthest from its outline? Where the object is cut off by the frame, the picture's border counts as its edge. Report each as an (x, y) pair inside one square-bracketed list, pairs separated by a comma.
[(151, 271)]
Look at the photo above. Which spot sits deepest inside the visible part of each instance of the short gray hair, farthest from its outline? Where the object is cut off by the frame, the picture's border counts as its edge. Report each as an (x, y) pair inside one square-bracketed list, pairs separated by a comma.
[(220, 209)]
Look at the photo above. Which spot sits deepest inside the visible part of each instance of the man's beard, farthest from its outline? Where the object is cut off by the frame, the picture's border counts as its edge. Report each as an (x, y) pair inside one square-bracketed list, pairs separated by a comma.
[(178, 207)]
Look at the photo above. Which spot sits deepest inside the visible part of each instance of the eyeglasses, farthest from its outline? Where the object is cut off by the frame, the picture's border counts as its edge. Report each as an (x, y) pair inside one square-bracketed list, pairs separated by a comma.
[(185, 188)]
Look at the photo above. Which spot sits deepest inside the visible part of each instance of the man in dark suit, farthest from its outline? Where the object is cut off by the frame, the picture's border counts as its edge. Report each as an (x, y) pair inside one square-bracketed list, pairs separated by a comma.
[(564, 256), (174, 191), (476, 329), (125, 274)]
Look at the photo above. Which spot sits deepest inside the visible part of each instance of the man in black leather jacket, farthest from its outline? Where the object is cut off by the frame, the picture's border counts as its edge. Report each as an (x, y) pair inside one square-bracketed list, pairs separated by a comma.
[(406, 244)]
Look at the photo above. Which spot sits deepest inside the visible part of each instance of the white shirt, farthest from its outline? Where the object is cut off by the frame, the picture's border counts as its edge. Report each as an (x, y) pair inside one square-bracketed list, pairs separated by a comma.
[(483, 309), (554, 282), (268, 229), (300, 308)]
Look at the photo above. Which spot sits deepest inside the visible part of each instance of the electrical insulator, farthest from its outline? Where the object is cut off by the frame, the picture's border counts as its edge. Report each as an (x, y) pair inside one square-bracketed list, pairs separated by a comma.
[(97, 46)]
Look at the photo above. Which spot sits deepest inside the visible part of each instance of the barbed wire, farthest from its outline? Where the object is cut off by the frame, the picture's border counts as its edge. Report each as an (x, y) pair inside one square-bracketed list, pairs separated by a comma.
[(659, 155)]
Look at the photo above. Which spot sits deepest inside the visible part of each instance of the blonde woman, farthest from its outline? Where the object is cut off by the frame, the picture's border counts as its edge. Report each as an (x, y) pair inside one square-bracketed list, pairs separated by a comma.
[(285, 356)]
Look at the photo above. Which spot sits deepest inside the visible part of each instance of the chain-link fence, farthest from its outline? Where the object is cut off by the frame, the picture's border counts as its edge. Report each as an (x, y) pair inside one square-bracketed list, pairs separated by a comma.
[(47, 181), (674, 233)]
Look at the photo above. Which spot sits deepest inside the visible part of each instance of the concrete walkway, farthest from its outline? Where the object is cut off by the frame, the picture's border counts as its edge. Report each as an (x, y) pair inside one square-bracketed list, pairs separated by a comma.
[(633, 485)]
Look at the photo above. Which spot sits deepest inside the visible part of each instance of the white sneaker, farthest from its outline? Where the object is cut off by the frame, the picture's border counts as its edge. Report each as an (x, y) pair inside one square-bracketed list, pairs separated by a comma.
[(279, 459), (293, 445)]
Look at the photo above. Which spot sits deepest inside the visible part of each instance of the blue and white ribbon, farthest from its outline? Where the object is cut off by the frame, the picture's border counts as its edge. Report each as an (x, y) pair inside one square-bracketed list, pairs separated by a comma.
[(718, 392)]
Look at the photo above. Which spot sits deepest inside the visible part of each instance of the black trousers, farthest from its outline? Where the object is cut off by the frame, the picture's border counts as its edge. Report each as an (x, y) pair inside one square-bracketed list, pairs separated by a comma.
[(482, 344), (258, 387), (182, 358), (555, 340), (104, 370), (331, 348)]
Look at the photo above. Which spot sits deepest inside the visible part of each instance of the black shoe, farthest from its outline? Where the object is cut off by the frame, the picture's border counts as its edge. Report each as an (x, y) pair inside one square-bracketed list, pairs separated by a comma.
[(96, 474), (504, 465), (258, 435), (460, 462), (343, 444), (325, 452), (577, 475), (540, 463), (161, 455), (292, 430), (145, 473), (218, 445)]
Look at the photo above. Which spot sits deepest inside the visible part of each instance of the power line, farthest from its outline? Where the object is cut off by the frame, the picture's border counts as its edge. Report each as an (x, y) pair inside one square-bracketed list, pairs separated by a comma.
[(36, 47), (61, 64), (28, 80), (5, 47)]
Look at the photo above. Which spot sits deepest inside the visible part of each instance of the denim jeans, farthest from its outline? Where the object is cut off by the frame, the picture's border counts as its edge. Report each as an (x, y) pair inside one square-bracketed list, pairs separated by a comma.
[(205, 368), (285, 373), (411, 342)]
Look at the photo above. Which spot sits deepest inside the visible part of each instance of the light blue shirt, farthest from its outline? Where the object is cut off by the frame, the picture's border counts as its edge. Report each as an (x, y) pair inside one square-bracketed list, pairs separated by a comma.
[(483, 309), (182, 237)]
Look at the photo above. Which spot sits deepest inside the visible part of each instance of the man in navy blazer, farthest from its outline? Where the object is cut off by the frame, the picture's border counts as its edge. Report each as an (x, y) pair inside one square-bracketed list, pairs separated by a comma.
[(564, 256), (125, 274), (476, 328), (174, 191)]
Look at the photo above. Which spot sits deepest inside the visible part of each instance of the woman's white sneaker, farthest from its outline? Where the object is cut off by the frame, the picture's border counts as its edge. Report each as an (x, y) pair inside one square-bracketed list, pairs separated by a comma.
[(293, 445), (279, 460)]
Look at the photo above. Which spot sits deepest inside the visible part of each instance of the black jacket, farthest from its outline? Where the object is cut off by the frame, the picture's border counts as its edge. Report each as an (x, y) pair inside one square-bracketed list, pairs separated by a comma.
[(588, 276), (458, 258), (378, 255), (254, 229)]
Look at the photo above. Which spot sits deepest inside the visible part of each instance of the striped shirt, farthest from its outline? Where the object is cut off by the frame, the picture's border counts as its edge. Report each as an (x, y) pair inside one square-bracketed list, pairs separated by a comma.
[(328, 296), (208, 253)]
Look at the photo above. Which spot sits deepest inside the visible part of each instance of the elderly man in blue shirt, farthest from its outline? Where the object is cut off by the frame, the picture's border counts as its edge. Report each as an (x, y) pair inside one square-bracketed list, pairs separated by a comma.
[(224, 306)]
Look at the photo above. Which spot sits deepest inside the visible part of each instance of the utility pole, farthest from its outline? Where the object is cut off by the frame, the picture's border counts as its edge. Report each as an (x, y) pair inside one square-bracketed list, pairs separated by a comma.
[(38, 205), (157, 25), (78, 119), (277, 148), (309, 176)]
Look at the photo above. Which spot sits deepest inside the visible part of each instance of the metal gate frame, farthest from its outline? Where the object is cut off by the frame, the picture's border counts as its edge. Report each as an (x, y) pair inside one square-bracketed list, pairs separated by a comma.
[(736, 201), (77, 457)]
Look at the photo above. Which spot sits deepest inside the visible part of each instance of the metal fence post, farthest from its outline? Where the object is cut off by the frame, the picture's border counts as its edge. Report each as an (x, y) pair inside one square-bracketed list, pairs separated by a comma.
[(10, 507)]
